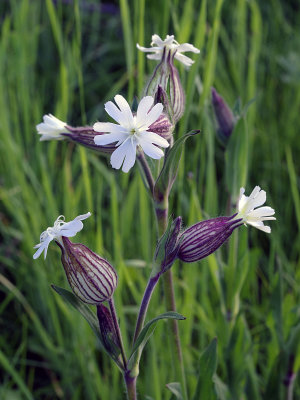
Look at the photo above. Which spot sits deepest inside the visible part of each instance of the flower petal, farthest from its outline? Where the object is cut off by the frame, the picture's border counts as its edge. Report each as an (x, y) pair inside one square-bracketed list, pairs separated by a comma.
[(151, 117), (152, 137), (113, 111), (151, 150), (107, 138), (143, 109), (123, 151), (184, 59), (125, 109), (108, 127), (187, 47)]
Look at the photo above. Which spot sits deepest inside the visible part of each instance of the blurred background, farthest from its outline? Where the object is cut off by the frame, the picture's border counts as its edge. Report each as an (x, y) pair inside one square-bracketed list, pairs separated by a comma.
[(69, 57)]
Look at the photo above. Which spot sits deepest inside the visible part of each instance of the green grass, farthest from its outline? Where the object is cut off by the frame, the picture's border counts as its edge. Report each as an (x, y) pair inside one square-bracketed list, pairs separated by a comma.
[(67, 59)]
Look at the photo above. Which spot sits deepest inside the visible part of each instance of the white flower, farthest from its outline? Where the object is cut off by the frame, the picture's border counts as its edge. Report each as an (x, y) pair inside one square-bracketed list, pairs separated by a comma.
[(51, 128), (246, 209), (170, 43), (59, 229), (131, 131)]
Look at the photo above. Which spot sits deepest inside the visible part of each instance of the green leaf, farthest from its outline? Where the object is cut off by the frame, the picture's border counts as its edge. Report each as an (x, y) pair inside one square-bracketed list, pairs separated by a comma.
[(89, 316), (208, 365), (169, 170), (145, 335), (175, 388)]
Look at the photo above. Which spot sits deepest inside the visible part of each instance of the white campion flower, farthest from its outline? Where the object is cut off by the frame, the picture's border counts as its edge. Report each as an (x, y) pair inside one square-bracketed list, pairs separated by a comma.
[(158, 45), (59, 229), (131, 131), (51, 128), (246, 209)]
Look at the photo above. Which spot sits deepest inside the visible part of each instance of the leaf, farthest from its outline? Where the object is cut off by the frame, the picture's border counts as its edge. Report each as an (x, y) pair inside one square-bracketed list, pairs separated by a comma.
[(145, 335), (175, 388), (208, 364), (89, 316), (169, 170)]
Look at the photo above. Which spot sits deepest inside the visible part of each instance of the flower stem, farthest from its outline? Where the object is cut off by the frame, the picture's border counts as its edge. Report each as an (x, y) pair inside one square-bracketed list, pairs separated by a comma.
[(147, 171), (117, 329), (144, 305), (161, 211), (130, 386)]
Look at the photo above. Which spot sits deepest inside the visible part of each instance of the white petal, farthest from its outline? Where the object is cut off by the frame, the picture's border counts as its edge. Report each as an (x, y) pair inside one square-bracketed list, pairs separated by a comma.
[(154, 138), (187, 47), (124, 150), (143, 108), (260, 226), (184, 59), (259, 200), (151, 150), (158, 40), (42, 247), (114, 112), (108, 127), (83, 216), (107, 138), (151, 117), (125, 109), (262, 212), (130, 157), (71, 228), (156, 56), (145, 49)]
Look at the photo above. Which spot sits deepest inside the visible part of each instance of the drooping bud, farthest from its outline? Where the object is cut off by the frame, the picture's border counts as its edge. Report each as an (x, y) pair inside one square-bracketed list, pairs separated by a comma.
[(205, 237), (224, 116), (167, 248), (108, 333), (90, 276)]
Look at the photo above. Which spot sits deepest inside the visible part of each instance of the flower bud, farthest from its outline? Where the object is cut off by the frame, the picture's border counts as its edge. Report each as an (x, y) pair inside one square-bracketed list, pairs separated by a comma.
[(167, 247), (165, 79), (108, 333), (224, 116), (91, 277), (205, 237)]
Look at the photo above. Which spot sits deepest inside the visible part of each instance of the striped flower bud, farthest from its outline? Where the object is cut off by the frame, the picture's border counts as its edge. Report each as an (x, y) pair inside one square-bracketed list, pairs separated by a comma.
[(109, 335), (91, 277), (205, 237), (224, 116)]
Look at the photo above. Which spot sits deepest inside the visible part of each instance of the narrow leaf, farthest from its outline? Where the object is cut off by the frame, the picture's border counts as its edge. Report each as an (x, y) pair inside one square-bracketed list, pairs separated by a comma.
[(146, 333), (175, 388), (169, 170), (208, 365)]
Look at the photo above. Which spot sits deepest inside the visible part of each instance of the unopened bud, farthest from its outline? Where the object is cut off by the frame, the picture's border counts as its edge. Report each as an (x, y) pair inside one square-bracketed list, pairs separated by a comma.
[(167, 247), (108, 333), (91, 277), (165, 80), (205, 237), (224, 116)]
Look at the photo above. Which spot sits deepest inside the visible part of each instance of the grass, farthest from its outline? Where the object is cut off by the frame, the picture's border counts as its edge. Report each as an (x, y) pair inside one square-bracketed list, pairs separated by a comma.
[(68, 58)]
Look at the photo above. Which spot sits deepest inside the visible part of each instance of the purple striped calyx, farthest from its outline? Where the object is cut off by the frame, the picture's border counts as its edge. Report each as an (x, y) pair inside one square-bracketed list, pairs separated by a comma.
[(108, 333), (205, 237), (90, 276), (165, 84)]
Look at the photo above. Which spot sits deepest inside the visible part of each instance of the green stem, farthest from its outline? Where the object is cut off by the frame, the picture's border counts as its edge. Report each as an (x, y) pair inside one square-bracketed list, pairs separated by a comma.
[(161, 211)]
